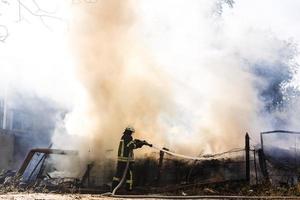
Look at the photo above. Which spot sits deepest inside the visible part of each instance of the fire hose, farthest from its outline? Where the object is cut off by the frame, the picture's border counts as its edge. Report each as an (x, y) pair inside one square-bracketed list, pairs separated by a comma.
[(177, 155), (122, 179), (195, 158), (159, 149)]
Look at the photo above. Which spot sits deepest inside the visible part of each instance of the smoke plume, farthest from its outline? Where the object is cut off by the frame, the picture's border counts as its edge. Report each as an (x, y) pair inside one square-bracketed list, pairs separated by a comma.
[(124, 87), (232, 71), (190, 76)]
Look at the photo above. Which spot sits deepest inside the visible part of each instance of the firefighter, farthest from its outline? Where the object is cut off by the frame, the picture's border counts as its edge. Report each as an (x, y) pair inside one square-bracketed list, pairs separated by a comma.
[(125, 153)]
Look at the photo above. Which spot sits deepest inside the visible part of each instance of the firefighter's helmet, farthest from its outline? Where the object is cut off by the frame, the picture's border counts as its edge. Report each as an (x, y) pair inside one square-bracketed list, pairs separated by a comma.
[(130, 128)]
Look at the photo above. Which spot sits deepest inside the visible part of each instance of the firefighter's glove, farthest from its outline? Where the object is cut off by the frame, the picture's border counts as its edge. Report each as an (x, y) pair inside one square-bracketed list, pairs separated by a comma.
[(141, 143), (138, 143)]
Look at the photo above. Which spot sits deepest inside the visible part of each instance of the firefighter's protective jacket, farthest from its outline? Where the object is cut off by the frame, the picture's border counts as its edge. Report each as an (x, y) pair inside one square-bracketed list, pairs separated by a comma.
[(126, 146)]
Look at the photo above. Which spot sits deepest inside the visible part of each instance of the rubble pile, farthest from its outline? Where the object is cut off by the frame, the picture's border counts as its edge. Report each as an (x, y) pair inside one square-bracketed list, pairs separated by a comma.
[(149, 174)]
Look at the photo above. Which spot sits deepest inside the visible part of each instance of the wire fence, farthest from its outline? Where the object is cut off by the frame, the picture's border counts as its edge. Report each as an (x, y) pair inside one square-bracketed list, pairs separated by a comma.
[(278, 160), (164, 169), (282, 155)]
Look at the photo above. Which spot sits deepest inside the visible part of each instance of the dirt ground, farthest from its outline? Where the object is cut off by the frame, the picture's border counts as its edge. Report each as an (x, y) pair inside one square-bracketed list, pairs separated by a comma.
[(49, 196), (41, 196)]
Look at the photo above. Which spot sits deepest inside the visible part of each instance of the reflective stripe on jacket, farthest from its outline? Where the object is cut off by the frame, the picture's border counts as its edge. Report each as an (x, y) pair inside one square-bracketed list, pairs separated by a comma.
[(126, 147)]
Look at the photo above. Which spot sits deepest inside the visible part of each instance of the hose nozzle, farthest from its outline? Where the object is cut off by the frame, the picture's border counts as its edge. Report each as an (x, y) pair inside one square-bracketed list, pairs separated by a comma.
[(147, 144)]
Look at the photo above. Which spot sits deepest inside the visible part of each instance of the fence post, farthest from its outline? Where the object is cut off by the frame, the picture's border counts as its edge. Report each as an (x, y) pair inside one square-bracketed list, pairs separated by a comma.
[(247, 152), (255, 167), (263, 165), (160, 164)]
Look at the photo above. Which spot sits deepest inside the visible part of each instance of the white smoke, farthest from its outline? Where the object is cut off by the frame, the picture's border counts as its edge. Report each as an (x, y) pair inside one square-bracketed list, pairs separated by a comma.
[(35, 55), (226, 63)]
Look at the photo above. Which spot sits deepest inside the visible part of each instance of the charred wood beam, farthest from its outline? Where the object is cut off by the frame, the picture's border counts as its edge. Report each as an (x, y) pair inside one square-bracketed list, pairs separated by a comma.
[(160, 164), (247, 152), (55, 151), (255, 167), (280, 131), (86, 176), (45, 151), (263, 164)]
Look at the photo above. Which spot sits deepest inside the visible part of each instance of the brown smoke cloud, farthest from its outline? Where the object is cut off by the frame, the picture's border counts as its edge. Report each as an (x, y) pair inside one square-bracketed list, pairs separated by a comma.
[(208, 104), (123, 86)]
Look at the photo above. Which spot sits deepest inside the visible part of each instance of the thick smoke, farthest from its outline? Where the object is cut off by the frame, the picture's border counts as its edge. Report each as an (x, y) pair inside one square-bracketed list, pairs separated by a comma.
[(124, 87), (233, 71), (191, 76)]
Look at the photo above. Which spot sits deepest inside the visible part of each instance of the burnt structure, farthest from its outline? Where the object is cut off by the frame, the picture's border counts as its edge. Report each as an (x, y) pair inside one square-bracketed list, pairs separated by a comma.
[(279, 157), (159, 172), (26, 122)]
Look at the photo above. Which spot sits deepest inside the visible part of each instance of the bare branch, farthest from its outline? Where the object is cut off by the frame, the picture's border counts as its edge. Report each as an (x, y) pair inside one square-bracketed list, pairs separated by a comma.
[(40, 13), (5, 2), (3, 33)]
